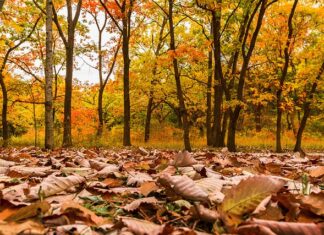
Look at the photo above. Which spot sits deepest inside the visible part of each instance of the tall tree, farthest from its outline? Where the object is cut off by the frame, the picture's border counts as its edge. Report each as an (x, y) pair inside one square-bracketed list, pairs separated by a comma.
[(307, 110), (180, 96), (125, 7), (12, 46), (246, 51), (68, 41), (104, 72), (49, 124), (284, 71)]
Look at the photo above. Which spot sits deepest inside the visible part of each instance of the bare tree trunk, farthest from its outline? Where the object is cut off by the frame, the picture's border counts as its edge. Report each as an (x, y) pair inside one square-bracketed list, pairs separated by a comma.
[(67, 131), (182, 105), (5, 129), (307, 110), (125, 48), (35, 125), (49, 122), (209, 99), (224, 127), (283, 77), (148, 117), (100, 113), (218, 77)]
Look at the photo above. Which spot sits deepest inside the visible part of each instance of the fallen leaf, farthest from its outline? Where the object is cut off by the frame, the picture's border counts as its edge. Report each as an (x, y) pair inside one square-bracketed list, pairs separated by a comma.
[(138, 178), (246, 196), (134, 205), (148, 187), (284, 228), (28, 227), (54, 184), (183, 159), (30, 211), (317, 172), (141, 227), (184, 186), (314, 202), (81, 212)]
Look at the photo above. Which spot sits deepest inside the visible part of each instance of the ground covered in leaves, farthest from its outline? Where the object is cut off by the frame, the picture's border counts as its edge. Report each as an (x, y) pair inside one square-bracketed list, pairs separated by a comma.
[(141, 191)]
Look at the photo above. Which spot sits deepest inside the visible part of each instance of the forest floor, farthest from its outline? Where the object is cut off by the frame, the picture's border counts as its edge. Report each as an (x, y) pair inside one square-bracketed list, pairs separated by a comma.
[(140, 191)]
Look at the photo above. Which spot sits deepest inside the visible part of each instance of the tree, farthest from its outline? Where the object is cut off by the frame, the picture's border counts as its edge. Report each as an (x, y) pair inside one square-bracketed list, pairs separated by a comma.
[(11, 44), (123, 12), (246, 51), (68, 41), (49, 123), (307, 109), (103, 73), (287, 52), (182, 106)]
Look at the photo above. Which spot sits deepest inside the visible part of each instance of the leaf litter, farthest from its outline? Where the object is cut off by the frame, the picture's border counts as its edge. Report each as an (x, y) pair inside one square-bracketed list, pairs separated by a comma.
[(141, 191)]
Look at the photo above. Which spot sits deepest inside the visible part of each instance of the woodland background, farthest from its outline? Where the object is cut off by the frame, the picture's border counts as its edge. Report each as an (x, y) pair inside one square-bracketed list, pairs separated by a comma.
[(236, 73)]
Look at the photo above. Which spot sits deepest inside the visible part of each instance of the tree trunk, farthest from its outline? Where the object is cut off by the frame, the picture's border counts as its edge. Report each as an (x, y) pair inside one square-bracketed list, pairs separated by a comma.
[(100, 113), (209, 99), (125, 48), (224, 127), (148, 118), (49, 122), (182, 106), (5, 129), (67, 132), (307, 110), (283, 77), (218, 77)]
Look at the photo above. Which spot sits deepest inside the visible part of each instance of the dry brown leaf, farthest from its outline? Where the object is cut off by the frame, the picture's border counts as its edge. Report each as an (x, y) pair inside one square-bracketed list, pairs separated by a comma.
[(97, 165), (148, 187), (81, 229), (184, 186), (203, 213), (54, 184), (16, 194), (246, 196), (107, 170), (5, 163), (138, 178), (30, 211), (314, 202), (81, 212), (19, 171), (76, 170), (141, 227), (317, 172), (285, 228), (134, 205), (28, 227), (183, 159), (80, 160), (113, 183)]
